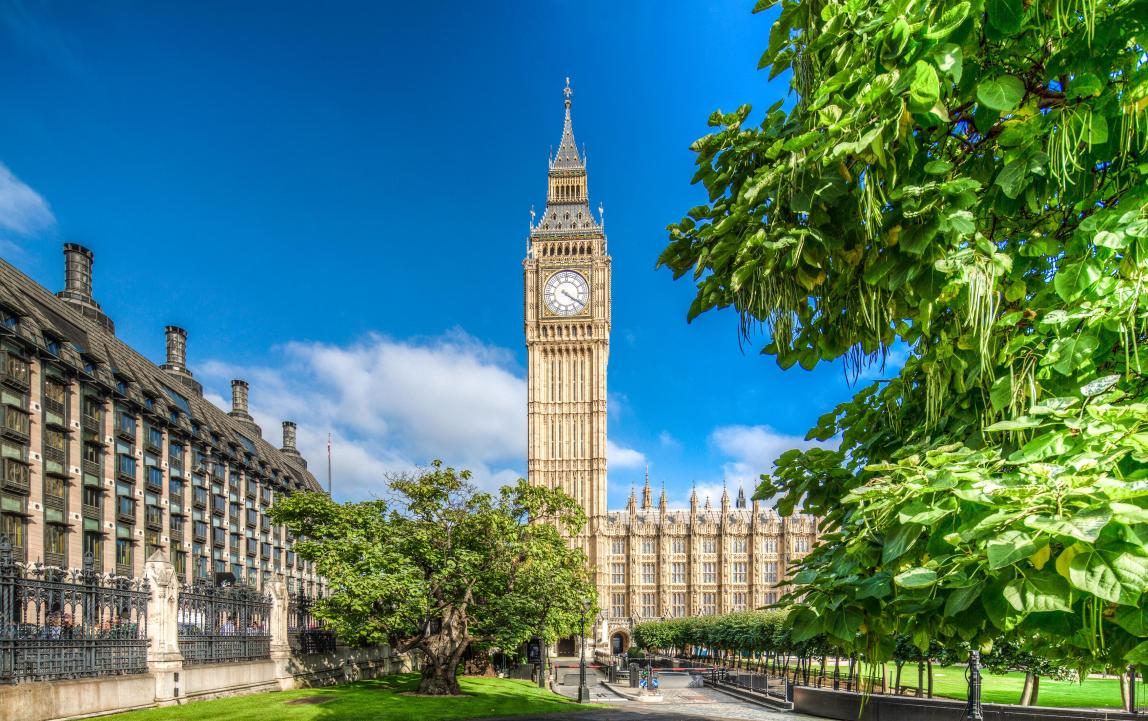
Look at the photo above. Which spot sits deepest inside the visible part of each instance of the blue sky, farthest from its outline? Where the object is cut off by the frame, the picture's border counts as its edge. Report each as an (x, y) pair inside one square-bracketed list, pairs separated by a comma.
[(334, 204)]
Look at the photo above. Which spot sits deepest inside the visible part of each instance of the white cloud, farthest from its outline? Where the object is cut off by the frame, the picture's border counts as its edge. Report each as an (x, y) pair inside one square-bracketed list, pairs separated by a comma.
[(668, 441), (751, 451), (622, 457), (22, 210), (390, 406)]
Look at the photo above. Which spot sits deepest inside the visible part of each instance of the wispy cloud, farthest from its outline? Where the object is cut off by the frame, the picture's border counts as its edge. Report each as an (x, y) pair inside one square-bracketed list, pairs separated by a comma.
[(752, 450), (391, 405), (622, 457), (23, 211)]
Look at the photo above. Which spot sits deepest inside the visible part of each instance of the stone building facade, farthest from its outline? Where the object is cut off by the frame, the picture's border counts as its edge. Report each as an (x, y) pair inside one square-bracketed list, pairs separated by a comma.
[(649, 561), (107, 453)]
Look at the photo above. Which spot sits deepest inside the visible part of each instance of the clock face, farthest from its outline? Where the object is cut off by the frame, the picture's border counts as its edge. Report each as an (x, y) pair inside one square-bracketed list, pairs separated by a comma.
[(566, 293)]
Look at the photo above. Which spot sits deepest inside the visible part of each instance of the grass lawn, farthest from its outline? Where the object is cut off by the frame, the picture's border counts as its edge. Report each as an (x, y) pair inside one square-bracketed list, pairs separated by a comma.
[(1092, 693), (380, 699), (949, 682)]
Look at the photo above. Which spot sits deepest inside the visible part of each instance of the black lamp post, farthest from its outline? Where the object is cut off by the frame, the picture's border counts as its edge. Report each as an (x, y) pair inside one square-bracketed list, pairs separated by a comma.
[(583, 691), (973, 710)]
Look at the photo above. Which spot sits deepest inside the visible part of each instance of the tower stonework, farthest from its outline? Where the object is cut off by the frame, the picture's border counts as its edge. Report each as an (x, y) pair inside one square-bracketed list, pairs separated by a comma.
[(567, 312), (648, 561)]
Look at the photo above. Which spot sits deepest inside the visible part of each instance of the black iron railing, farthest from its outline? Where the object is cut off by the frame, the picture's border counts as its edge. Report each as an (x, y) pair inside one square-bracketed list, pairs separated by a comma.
[(69, 623), (221, 624), (305, 633)]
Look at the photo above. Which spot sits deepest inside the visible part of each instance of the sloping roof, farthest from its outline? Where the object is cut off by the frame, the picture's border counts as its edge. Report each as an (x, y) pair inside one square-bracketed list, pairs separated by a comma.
[(100, 357)]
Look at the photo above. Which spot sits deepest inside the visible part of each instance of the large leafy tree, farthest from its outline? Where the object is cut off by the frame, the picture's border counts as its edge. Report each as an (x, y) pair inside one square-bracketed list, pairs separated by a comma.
[(966, 180), (441, 567)]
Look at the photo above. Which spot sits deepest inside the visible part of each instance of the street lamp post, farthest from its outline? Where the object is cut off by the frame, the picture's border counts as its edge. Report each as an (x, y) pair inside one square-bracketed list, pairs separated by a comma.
[(583, 691)]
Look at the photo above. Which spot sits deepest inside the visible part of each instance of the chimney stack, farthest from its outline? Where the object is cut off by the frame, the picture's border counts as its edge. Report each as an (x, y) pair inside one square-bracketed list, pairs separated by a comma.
[(239, 393), (177, 358), (289, 444), (78, 271), (239, 390), (77, 290), (176, 349), (289, 437)]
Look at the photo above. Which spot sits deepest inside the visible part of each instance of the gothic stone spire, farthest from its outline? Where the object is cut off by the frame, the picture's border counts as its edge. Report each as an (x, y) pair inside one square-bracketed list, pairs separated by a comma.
[(567, 198)]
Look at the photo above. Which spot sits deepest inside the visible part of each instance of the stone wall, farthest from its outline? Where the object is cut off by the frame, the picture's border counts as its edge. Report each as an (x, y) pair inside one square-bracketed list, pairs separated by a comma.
[(170, 682), (58, 700)]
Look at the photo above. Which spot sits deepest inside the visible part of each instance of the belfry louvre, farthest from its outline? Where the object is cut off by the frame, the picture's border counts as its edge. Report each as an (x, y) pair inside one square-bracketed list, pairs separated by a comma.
[(108, 455)]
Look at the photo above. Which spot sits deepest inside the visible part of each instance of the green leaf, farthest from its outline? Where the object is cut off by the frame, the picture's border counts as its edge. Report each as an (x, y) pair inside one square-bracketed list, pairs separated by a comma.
[(1043, 446), (1000, 611), (1106, 239), (1002, 93), (802, 141), (1138, 655), (916, 578), (1098, 386), (1000, 395), (846, 623), (1128, 513), (878, 586), (949, 21), (1071, 354), (938, 167), (949, 60), (1097, 130), (1039, 593), (806, 625), (1133, 619), (1016, 424), (1006, 16), (1117, 572), (925, 89), (1074, 279), (1085, 85), (1083, 526), (1011, 178), (961, 598), (900, 541), (1010, 547)]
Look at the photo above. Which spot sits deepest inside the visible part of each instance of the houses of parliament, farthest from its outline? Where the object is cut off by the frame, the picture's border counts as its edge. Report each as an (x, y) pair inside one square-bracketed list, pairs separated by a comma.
[(648, 561)]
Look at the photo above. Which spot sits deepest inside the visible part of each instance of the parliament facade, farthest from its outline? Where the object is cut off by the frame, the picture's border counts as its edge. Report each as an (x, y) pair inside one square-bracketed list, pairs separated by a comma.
[(109, 456), (649, 561)]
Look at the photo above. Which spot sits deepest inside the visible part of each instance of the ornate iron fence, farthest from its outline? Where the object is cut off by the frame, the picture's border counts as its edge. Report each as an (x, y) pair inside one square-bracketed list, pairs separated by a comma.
[(219, 624), (69, 623), (306, 633)]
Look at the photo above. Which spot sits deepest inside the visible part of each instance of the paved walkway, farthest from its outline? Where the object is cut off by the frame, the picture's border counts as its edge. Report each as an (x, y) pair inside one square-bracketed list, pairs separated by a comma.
[(686, 704)]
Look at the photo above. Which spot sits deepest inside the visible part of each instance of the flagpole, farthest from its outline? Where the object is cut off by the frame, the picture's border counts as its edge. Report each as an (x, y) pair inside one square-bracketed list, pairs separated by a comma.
[(329, 465)]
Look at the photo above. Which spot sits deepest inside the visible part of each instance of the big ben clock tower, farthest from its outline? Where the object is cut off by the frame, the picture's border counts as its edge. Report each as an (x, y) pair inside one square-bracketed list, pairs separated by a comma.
[(567, 309)]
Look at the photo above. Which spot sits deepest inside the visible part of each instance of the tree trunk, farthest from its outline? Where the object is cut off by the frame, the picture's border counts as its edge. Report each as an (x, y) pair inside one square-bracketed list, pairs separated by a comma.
[(920, 678), (929, 664), (1031, 689), (897, 679), (443, 650)]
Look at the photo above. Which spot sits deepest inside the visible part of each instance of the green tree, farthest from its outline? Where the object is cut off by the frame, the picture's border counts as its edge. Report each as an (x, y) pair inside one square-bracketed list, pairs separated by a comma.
[(1011, 654), (444, 567), (965, 180)]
